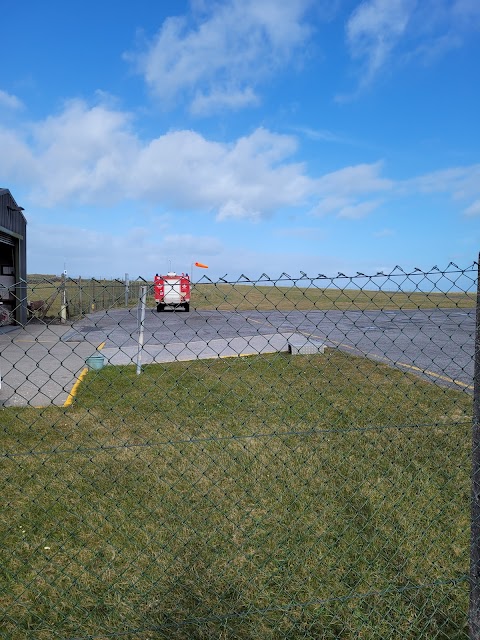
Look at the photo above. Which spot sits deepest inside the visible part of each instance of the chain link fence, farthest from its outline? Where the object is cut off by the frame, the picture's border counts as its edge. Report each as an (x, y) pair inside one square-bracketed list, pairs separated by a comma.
[(291, 458)]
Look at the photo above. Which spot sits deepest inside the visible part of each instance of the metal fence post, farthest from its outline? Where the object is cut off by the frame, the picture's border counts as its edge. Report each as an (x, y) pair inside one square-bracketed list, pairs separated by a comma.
[(63, 304), (143, 301), (474, 614)]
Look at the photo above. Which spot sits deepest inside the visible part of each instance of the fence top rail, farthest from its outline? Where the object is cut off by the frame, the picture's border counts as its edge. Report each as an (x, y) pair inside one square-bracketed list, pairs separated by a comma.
[(397, 271)]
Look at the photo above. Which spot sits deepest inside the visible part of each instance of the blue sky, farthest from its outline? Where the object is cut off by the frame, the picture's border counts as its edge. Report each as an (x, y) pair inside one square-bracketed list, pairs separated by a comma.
[(251, 135)]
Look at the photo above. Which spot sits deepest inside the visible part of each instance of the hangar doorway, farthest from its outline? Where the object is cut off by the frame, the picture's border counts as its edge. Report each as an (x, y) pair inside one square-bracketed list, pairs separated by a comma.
[(8, 297), (13, 262)]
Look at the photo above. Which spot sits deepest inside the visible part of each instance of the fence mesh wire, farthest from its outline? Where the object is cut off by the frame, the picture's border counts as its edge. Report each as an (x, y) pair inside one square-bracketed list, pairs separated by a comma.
[(288, 459)]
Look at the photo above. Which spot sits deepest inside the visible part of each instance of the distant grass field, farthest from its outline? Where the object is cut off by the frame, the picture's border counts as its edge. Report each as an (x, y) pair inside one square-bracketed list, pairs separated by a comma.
[(274, 496), (85, 296), (245, 297)]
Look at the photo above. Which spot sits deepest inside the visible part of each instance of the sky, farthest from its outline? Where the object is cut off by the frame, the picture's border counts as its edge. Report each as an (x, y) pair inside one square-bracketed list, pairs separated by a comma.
[(254, 136)]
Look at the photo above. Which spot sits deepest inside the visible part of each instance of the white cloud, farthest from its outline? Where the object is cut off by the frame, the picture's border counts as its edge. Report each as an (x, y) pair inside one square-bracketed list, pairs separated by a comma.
[(460, 182), (433, 49), (466, 13), (16, 160), (439, 26), (10, 101), (383, 33), (233, 210), (205, 104), (247, 179), (90, 253), (473, 209), (349, 208), (90, 156), (358, 179), (82, 154), (219, 58), (342, 192), (323, 135), (330, 204), (373, 31), (359, 210), (190, 244)]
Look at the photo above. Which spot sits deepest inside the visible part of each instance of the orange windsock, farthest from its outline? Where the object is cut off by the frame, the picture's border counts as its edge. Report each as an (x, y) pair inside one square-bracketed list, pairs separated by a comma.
[(199, 264)]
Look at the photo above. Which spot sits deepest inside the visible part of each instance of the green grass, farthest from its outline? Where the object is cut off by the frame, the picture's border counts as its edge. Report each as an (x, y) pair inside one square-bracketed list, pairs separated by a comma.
[(321, 496), (83, 295), (88, 295), (245, 297)]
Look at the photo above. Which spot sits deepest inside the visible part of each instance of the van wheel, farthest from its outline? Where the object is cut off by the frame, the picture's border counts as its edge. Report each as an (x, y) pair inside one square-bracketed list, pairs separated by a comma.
[(160, 307), (187, 306)]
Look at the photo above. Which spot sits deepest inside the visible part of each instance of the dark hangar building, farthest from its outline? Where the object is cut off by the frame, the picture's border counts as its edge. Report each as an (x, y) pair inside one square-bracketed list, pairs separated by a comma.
[(13, 261)]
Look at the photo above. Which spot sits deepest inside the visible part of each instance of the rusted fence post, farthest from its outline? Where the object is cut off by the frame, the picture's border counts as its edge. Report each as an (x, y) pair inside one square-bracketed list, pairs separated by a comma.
[(474, 614)]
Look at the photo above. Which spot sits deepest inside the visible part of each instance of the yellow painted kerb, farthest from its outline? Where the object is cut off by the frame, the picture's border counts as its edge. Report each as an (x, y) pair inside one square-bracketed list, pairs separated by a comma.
[(78, 382), (74, 390)]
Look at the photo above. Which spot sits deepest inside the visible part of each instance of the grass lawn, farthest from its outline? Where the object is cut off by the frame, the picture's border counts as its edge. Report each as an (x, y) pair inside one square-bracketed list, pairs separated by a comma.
[(265, 298), (106, 294), (322, 496)]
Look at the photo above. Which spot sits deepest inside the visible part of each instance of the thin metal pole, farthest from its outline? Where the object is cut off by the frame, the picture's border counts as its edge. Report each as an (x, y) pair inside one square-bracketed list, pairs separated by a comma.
[(143, 302), (63, 303), (474, 614), (127, 286)]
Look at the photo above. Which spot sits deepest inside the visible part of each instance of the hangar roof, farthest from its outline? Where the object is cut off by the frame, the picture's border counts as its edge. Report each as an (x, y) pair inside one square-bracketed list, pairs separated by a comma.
[(11, 216)]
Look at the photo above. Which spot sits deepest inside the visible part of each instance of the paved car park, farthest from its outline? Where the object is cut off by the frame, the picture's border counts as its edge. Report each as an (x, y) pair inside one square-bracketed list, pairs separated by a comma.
[(41, 363), (435, 343), (38, 368)]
